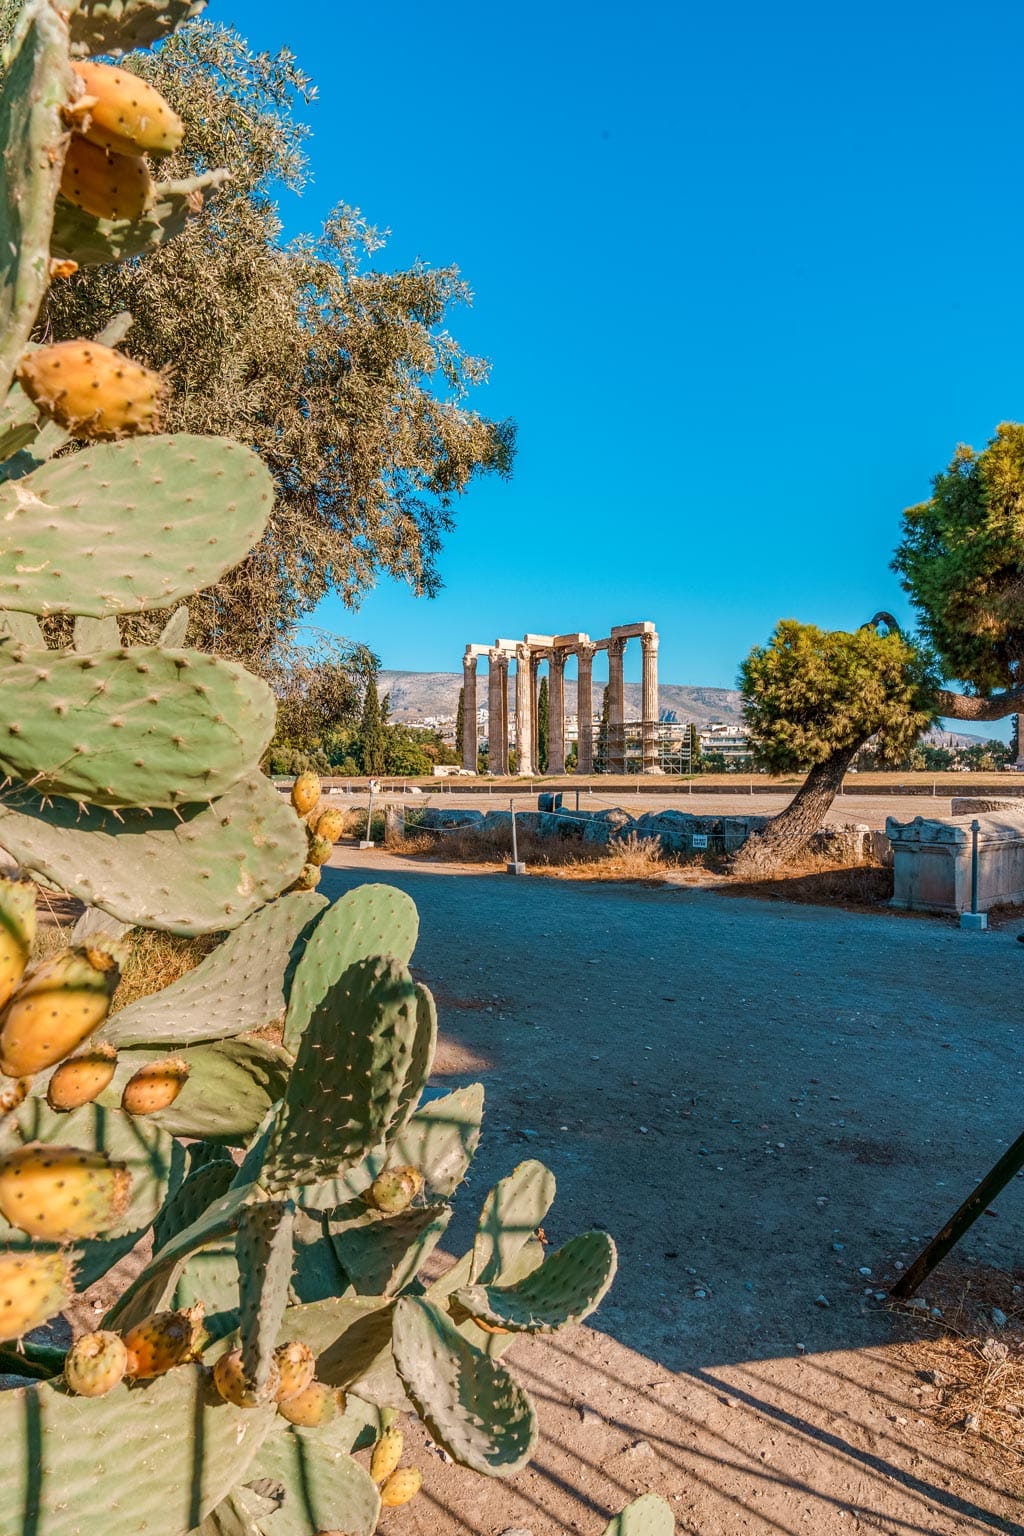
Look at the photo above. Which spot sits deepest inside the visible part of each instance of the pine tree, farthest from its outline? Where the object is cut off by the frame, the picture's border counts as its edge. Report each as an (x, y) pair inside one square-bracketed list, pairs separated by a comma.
[(372, 738), (543, 711), (460, 724)]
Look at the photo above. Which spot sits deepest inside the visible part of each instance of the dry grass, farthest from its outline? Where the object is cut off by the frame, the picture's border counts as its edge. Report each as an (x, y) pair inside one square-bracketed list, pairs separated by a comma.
[(972, 1371), (154, 962), (818, 881), (623, 858)]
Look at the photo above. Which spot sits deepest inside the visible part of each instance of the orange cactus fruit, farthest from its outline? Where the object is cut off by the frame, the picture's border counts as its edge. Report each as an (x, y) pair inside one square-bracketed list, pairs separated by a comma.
[(95, 1364), (314, 1406), (155, 1086), (104, 184), (33, 1288), (59, 1005), (125, 113), (296, 1365), (82, 1078), (320, 850), (401, 1486), (159, 1343), (234, 1386), (59, 1194), (17, 932), (305, 793), (93, 392), (329, 825)]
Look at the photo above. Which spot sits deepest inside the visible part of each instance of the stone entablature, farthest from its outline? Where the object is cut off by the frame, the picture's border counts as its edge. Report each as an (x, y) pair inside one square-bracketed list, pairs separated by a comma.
[(528, 655)]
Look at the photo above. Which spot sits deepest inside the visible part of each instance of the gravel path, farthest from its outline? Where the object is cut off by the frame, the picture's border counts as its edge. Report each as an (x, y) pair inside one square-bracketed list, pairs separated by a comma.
[(761, 1102)]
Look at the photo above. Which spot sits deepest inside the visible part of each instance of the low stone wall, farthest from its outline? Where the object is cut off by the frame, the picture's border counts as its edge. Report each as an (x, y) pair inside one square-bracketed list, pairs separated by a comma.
[(674, 831), (932, 861)]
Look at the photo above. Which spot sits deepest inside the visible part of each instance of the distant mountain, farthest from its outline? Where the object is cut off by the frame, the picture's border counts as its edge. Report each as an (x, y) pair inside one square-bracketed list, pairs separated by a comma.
[(420, 695), (423, 695)]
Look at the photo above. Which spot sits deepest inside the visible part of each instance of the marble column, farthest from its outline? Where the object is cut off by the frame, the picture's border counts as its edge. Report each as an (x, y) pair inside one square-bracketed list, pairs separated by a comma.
[(524, 710), (503, 670), (535, 661), (649, 704), (585, 709), (497, 726), (616, 707), (469, 711), (556, 712)]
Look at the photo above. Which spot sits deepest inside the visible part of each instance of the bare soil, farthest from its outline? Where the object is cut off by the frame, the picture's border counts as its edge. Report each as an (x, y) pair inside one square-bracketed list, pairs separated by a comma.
[(771, 1106)]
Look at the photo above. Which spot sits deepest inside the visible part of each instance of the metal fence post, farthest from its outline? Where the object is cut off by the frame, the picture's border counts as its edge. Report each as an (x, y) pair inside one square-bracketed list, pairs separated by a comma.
[(974, 919), (515, 868)]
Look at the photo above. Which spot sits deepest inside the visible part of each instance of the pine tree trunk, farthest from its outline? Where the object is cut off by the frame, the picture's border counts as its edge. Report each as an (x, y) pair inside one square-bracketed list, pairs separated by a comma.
[(787, 834)]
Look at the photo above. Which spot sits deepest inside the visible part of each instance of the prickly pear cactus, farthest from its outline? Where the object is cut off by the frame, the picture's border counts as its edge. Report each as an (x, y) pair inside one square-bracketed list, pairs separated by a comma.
[(292, 1192)]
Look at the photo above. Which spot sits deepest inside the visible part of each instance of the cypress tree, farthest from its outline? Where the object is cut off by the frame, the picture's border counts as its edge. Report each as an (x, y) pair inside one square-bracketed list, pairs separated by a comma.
[(460, 723), (372, 739)]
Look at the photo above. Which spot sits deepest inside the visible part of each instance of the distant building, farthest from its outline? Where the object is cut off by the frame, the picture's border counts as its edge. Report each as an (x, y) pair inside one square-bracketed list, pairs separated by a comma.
[(728, 741)]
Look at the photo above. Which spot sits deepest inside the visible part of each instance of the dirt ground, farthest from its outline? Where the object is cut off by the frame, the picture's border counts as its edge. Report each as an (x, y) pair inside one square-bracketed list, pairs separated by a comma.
[(770, 1107)]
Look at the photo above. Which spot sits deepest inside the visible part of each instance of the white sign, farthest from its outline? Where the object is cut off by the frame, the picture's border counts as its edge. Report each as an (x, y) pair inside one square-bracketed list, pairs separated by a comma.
[(699, 840)]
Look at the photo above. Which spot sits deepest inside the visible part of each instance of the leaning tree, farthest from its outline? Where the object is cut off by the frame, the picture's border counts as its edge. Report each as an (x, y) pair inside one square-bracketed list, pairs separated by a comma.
[(813, 699)]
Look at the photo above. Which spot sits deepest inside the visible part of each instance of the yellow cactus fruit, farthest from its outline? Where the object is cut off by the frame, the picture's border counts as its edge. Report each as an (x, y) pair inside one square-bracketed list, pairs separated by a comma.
[(155, 1086), (401, 1486), (95, 1364), (59, 1194), (315, 1405), (92, 391), (320, 850), (33, 1288), (394, 1190), (236, 1387), (125, 113), (309, 878), (329, 825), (387, 1453), (296, 1364), (59, 1005), (17, 932), (159, 1343), (305, 793), (104, 184), (82, 1078)]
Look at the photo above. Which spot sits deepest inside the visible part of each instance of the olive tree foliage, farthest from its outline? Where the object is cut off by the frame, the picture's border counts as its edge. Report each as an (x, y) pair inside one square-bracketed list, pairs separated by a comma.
[(343, 376), (319, 682)]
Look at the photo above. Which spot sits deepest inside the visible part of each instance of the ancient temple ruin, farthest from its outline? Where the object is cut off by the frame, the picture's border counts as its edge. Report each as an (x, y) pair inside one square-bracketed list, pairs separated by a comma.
[(529, 654)]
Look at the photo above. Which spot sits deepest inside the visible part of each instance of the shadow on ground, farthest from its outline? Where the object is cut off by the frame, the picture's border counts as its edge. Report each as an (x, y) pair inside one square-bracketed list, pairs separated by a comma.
[(769, 1106)]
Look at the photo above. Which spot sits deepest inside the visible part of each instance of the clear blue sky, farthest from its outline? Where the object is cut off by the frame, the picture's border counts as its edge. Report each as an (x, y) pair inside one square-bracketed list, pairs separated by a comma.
[(745, 274)]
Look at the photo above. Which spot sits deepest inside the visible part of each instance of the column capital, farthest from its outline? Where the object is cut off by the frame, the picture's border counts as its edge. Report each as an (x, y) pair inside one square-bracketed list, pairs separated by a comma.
[(650, 642), (617, 646), (469, 659), (585, 651)]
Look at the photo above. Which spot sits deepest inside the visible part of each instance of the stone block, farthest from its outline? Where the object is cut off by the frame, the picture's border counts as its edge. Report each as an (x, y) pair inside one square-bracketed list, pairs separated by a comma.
[(932, 861)]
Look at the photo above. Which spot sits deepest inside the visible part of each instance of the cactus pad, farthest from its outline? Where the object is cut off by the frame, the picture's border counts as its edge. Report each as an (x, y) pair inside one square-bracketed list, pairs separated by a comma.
[(323, 1488), (186, 1449), (382, 1255), (352, 1062), (231, 1086), (131, 526), (566, 1288), (238, 987), (469, 1403), (198, 870), (647, 1516), (515, 1207), (37, 85), (441, 1138), (371, 920), (263, 1248), (118, 26), (139, 726)]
